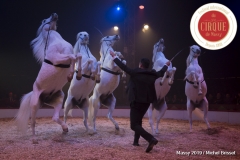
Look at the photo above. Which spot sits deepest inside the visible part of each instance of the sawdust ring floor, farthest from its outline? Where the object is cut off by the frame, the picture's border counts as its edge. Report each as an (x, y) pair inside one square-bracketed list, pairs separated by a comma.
[(174, 136)]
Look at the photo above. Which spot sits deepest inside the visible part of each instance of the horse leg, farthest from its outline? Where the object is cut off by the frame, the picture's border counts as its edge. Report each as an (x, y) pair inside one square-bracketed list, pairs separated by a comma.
[(199, 86), (35, 103), (124, 74), (98, 72), (205, 111), (194, 79), (190, 108), (84, 107), (93, 109), (58, 100), (110, 112), (171, 79), (79, 74), (164, 77), (91, 66), (70, 76), (150, 118), (67, 106), (90, 111), (160, 114)]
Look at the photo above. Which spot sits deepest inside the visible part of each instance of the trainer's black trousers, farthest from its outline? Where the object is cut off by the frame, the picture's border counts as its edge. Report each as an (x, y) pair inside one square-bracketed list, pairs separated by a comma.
[(137, 111)]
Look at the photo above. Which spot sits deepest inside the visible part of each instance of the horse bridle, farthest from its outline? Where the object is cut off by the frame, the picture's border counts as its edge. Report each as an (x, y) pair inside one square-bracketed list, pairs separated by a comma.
[(104, 56), (45, 48), (84, 46), (84, 75), (194, 53), (158, 44)]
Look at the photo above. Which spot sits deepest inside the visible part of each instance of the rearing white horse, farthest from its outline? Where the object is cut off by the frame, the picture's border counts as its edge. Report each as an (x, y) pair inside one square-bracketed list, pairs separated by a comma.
[(162, 85), (57, 58), (110, 77), (195, 88), (87, 70)]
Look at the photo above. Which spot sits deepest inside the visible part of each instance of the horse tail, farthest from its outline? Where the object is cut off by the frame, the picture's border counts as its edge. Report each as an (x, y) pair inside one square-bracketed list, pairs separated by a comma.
[(90, 111), (23, 114), (70, 113)]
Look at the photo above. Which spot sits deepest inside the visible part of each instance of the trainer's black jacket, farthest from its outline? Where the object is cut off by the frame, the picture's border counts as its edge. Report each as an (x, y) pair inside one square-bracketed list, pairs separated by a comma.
[(141, 86)]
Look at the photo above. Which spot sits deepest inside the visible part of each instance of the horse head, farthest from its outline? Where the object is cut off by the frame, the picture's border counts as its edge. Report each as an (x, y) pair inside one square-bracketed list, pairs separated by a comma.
[(106, 46), (49, 23), (82, 39), (39, 43), (110, 40), (195, 51)]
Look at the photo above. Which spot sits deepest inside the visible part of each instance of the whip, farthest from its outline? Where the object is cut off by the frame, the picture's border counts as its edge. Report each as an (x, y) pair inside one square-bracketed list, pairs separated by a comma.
[(176, 54), (99, 31)]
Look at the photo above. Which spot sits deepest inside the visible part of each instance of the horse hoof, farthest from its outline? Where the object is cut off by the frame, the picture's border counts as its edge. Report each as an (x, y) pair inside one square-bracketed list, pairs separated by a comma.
[(69, 78), (97, 81), (93, 78), (170, 82), (34, 141), (78, 78), (117, 128), (91, 132), (65, 130)]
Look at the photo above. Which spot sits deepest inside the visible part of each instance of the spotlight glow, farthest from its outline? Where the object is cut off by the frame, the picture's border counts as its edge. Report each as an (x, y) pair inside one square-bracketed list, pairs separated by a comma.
[(115, 28), (141, 7), (118, 8), (146, 27)]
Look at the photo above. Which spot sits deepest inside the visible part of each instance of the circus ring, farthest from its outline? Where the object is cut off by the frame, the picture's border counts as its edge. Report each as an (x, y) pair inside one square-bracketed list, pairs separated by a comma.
[(175, 140)]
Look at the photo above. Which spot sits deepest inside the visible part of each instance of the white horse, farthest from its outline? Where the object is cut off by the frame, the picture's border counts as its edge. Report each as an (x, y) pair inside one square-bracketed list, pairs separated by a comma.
[(162, 85), (103, 91), (57, 58), (88, 69), (195, 88)]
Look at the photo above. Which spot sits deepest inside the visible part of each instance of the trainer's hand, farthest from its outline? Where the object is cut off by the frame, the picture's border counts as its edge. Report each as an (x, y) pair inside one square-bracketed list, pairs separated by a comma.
[(112, 53), (168, 63)]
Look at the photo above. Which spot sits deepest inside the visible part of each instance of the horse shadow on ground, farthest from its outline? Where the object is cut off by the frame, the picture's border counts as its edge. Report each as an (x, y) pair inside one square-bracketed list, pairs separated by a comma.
[(213, 131)]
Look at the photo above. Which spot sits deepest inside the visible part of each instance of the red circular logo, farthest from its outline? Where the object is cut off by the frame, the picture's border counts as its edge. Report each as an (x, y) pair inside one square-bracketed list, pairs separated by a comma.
[(213, 26)]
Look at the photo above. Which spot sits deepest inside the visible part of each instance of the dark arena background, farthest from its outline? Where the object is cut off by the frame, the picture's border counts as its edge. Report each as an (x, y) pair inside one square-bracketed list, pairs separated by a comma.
[(168, 19)]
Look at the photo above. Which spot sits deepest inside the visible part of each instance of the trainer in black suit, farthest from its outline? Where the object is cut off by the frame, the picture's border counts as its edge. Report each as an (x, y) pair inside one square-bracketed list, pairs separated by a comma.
[(141, 92)]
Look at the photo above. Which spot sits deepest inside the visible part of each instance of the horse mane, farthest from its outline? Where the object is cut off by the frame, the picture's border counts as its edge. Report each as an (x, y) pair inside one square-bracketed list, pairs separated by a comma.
[(76, 47), (39, 43), (38, 46), (154, 53), (157, 54), (101, 48), (188, 61), (102, 54)]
